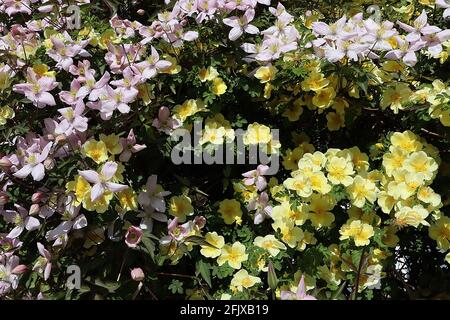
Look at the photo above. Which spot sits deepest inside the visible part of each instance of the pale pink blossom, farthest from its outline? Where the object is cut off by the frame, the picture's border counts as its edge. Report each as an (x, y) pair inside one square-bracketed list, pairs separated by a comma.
[(21, 219), (102, 181), (241, 24), (44, 263), (133, 236), (300, 294), (129, 146), (34, 164)]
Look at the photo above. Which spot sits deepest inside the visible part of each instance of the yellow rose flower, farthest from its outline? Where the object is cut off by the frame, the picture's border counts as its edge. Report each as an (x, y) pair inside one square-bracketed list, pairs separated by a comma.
[(215, 240), (234, 255), (230, 210), (242, 279), (180, 207), (96, 150)]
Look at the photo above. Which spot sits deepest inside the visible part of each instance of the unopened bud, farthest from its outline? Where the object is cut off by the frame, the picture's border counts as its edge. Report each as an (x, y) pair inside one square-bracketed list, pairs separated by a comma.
[(4, 198), (21, 268), (34, 209), (200, 221), (141, 12), (61, 138), (37, 197), (272, 279), (49, 164), (5, 162), (137, 274)]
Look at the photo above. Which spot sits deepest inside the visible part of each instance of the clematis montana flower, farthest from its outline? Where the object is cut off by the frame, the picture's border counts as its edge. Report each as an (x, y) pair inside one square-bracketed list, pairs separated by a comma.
[(44, 263), (34, 164), (71, 219), (21, 219), (300, 294), (37, 89), (133, 236), (10, 269), (129, 146), (241, 24), (165, 123), (153, 196), (102, 181), (261, 206), (256, 177)]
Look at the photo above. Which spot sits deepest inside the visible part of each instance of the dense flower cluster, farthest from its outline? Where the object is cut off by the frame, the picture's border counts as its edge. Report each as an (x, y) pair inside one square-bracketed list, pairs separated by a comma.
[(89, 118)]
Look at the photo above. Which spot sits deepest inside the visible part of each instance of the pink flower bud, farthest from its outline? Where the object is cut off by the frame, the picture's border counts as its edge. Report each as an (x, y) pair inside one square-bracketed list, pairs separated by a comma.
[(5, 162), (34, 209), (4, 198), (137, 274), (141, 12), (37, 197), (133, 236), (49, 164), (61, 139), (21, 268), (200, 221)]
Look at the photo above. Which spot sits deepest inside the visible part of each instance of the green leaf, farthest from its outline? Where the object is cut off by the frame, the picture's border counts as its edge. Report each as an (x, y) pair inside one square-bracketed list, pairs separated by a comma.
[(149, 247), (176, 286), (204, 269)]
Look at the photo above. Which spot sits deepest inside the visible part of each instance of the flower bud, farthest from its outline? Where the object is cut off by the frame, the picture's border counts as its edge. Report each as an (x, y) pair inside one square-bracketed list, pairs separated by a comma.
[(137, 274), (200, 221), (21, 268), (61, 139), (34, 209), (5, 162), (49, 163), (4, 198), (141, 12), (272, 279), (37, 197)]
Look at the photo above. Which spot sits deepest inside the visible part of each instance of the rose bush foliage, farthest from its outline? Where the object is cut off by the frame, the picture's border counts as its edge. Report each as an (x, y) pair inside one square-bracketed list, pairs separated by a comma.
[(358, 91)]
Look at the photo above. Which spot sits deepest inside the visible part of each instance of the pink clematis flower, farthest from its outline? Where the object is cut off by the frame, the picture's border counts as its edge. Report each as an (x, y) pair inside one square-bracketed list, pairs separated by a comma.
[(241, 24), (116, 99), (92, 87), (153, 196), (299, 295), (405, 52), (150, 67), (102, 182), (165, 123), (44, 263), (72, 119), (148, 215), (256, 177), (71, 219), (129, 81), (74, 96), (261, 206), (64, 52), (21, 219), (445, 4), (133, 236), (130, 146), (10, 269), (420, 26), (37, 89), (13, 7), (34, 164)]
